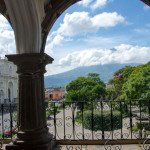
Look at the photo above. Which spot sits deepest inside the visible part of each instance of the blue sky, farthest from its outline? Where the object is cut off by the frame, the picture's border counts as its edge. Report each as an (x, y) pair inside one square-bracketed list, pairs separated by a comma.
[(93, 32)]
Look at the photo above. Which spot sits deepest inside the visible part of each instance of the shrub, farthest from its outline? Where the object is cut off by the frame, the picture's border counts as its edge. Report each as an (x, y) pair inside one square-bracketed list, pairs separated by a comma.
[(14, 116), (109, 123), (142, 125)]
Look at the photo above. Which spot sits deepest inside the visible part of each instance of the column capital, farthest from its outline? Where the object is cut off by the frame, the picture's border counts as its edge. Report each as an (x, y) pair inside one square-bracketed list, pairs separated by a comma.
[(31, 62)]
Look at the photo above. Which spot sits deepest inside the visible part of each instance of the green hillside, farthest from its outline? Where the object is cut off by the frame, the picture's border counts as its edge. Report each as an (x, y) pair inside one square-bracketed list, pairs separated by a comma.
[(106, 72)]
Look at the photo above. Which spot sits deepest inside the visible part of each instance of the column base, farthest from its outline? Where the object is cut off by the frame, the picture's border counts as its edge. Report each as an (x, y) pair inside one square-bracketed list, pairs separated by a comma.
[(29, 147), (48, 146)]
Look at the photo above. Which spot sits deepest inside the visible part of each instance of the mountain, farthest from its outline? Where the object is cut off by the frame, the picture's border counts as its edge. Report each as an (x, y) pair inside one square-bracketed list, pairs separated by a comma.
[(106, 72)]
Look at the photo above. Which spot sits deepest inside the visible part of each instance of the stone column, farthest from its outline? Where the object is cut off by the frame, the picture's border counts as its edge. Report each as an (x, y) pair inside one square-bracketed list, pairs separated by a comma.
[(32, 127)]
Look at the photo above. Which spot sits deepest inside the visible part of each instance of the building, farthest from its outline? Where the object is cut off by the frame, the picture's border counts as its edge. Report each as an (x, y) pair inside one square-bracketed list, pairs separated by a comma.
[(8, 82), (109, 85), (54, 93)]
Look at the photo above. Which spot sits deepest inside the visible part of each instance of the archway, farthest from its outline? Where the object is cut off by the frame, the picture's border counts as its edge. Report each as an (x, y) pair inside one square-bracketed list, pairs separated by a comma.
[(31, 63)]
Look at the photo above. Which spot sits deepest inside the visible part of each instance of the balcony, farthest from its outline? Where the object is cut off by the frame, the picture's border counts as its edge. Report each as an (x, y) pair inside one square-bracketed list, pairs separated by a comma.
[(85, 124)]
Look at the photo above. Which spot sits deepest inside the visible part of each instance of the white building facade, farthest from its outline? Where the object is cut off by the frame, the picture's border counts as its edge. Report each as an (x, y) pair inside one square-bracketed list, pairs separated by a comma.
[(8, 82)]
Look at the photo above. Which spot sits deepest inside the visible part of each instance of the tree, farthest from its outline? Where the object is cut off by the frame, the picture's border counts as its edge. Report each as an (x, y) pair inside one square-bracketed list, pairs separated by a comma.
[(138, 84), (79, 83), (98, 91), (96, 78), (120, 78), (85, 89), (111, 93)]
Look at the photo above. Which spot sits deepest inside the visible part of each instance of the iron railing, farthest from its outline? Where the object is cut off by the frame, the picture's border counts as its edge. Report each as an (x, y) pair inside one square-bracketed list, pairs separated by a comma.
[(99, 120), (96, 122), (8, 120)]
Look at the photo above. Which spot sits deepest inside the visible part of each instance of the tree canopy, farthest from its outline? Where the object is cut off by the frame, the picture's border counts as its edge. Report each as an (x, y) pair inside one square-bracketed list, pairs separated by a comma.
[(85, 88), (138, 84), (131, 82)]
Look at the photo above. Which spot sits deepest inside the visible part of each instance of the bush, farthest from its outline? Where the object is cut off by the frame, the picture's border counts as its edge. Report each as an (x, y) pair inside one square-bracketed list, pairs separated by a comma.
[(142, 125), (108, 124)]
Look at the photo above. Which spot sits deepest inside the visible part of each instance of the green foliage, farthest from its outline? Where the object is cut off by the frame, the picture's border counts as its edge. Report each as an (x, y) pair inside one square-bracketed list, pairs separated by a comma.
[(79, 83), (85, 89), (120, 77), (97, 91), (138, 84), (142, 125), (14, 117), (131, 83), (95, 77), (97, 120), (111, 93)]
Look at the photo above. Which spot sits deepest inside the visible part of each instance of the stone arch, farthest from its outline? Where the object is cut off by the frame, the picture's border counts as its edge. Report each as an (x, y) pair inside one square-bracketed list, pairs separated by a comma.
[(10, 91)]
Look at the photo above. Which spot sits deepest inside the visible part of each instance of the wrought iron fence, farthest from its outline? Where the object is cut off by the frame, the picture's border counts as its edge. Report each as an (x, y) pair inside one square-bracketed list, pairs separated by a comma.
[(96, 122), (8, 120), (99, 120)]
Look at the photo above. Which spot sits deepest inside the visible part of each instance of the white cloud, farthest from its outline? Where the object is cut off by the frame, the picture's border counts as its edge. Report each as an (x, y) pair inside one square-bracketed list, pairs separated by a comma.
[(85, 3), (120, 54), (4, 23), (56, 41), (99, 4), (81, 22), (107, 19), (148, 25), (146, 7), (55, 69), (94, 4), (7, 39), (144, 31)]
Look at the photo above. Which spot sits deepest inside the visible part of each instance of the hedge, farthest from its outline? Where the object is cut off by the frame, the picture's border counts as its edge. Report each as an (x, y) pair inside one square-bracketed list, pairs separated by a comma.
[(109, 122)]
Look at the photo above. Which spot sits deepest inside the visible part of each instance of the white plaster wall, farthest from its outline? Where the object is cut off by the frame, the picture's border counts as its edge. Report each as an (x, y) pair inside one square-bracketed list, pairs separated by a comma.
[(6, 78)]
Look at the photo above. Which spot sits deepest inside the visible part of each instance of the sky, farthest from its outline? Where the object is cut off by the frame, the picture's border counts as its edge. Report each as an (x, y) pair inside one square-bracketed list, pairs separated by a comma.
[(93, 32)]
